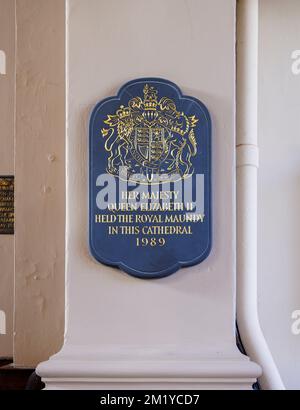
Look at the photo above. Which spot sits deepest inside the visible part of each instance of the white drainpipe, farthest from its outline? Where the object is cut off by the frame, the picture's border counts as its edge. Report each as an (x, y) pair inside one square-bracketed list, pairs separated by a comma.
[(247, 167)]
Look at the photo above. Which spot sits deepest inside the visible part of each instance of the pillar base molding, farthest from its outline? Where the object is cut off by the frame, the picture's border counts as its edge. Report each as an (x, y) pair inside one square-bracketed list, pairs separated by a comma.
[(93, 371)]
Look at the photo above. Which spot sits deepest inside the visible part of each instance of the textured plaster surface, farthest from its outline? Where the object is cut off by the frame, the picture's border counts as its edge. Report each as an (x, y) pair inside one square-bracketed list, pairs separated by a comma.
[(40, 123)]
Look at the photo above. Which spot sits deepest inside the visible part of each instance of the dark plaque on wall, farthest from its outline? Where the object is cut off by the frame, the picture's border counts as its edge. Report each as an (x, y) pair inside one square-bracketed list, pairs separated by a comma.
[(150, 182), (6, 205)]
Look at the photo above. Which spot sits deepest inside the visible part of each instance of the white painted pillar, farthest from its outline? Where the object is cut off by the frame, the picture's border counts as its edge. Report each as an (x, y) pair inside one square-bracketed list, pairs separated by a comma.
[(179, 331), (247, 166)]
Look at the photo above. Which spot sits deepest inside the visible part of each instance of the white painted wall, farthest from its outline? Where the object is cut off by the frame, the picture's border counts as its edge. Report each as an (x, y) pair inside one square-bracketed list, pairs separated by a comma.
[(279, 183), (183, 47)]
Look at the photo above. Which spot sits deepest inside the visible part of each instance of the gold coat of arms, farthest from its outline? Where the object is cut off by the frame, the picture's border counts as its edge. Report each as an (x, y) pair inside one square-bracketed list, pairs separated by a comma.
[(150, 138)]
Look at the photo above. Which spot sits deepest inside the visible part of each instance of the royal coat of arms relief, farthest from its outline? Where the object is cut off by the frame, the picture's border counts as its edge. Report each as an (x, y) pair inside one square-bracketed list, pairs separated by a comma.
[(150, 140)]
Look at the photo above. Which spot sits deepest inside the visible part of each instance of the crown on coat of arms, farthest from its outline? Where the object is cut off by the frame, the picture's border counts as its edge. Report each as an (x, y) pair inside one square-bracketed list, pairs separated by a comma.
[(150, 98)]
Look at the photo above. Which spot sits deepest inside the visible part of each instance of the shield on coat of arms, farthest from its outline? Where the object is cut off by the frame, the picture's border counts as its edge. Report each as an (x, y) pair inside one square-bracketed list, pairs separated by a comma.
[(150, 143)]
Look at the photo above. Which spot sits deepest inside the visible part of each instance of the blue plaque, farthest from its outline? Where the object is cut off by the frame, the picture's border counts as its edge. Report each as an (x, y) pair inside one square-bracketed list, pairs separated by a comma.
[(150, 179)]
